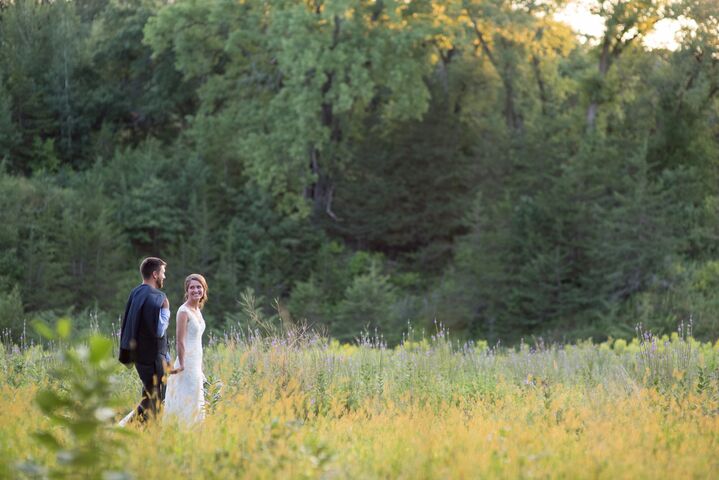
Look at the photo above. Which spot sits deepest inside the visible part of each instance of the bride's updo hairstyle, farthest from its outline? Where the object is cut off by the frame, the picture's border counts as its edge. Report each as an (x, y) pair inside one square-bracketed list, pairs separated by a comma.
[(203, 282)]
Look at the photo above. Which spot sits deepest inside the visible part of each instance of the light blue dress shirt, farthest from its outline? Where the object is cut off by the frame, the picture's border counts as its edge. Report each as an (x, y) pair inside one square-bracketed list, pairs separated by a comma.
[(162, 325), (164, 321)]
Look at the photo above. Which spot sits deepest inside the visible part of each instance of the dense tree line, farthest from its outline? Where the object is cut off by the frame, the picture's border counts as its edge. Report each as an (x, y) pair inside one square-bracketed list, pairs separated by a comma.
[(366, 163)]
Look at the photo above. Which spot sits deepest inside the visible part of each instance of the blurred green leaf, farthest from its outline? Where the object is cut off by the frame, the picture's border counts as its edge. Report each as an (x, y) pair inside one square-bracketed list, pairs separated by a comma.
[(124, 431), (43, 330), (78, 458), (76, 357), (61, 420), (49, 401), (83, 428), (100, 348), (85, 458), (63, 327), (48, 440)]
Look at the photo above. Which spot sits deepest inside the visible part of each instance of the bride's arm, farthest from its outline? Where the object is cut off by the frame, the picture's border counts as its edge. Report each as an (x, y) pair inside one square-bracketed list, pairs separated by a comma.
[(181, 335)]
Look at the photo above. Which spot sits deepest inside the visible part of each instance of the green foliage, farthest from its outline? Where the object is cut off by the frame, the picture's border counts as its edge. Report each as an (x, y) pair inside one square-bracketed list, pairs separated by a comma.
[(470, 162), (319, 381), (24, 75), (135, 93), (684, 293), (344, 64), (261, 249), (61, 240), (8, 132), (13, 316), (350, 295), (84, 440), (213, 393), (254, 321), (310, 302), (143, 201), (30, 213), (367, 307), (411, 216)]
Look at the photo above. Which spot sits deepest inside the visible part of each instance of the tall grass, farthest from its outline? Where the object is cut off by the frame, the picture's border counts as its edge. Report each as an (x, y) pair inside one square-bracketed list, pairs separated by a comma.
[(294, 404)]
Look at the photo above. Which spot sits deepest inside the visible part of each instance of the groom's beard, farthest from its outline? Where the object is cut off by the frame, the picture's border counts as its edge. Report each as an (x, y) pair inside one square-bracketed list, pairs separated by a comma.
[(159, 283)]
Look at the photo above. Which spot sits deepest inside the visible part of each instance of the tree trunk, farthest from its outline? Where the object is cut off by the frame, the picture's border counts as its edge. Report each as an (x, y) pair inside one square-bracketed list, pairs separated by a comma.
[(322, 191), (605, 62), (512, 118), (540, 84)]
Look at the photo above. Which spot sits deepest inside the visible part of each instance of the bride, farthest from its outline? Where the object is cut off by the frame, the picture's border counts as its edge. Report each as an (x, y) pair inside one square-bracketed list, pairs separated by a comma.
[(185, 397)]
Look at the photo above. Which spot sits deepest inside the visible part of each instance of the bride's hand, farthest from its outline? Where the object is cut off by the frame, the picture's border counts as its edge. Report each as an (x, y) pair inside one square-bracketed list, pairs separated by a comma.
[(176, 370)]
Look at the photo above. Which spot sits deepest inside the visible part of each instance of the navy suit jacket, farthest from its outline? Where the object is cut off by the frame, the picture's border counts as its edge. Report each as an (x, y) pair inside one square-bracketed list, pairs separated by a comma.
[(138, 333)]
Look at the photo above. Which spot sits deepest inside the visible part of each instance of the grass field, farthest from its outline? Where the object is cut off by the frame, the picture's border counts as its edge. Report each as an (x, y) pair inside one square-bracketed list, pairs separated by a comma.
[(302, 407)]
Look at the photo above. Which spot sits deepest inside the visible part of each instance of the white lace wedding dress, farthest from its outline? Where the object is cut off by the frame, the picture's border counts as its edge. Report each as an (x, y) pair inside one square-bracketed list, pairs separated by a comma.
[(185, 399)]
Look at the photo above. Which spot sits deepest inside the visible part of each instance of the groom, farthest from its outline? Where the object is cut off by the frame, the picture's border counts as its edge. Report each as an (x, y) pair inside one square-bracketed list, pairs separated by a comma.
[(142, 335)]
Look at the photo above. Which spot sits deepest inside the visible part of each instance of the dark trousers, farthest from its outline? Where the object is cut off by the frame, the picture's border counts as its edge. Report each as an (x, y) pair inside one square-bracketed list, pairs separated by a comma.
[(154, 384)]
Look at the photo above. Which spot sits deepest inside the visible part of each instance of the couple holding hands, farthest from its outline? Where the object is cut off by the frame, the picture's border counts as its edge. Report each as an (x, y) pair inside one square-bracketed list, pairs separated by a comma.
[(143, 342)]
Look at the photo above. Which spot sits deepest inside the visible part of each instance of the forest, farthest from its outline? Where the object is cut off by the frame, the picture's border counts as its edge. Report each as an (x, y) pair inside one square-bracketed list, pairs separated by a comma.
[(363, 167)]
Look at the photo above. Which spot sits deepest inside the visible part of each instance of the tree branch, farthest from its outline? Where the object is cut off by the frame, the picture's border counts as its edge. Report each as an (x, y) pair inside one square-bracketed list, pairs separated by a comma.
[(482, 42)]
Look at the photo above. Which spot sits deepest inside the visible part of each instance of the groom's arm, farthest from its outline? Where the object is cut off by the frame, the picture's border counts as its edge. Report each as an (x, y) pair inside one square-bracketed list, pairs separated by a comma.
[(164, 319)]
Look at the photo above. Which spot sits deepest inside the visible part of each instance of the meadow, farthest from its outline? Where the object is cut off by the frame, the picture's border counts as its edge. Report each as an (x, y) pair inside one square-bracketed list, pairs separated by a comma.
[(299, 406)]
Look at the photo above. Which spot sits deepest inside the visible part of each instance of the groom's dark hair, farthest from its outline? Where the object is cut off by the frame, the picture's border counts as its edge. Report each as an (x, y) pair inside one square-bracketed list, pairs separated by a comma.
[(149, 265)]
